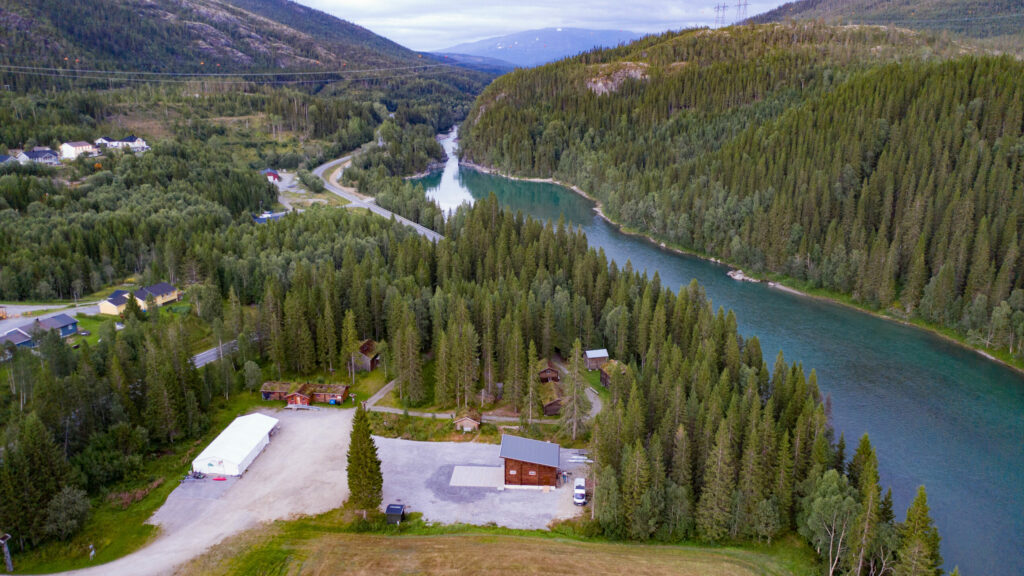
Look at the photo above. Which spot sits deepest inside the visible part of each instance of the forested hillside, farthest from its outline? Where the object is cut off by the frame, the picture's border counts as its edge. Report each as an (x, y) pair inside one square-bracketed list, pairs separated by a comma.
[(999, 22), (863, 161), (704, 440)]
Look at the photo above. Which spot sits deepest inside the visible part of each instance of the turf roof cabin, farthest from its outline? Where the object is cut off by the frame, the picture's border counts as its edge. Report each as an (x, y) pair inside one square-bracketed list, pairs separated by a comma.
[(367, 358), (529, 462), (305, 393)]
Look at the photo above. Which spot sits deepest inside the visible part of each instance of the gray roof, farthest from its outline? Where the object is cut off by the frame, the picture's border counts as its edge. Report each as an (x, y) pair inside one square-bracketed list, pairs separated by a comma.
[(57, 322), (602, 353), (15, 337), (527, 450), (158, 289)]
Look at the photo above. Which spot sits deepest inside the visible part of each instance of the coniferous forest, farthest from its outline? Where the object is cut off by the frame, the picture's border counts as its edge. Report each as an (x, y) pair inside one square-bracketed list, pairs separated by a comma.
[(883, 165)]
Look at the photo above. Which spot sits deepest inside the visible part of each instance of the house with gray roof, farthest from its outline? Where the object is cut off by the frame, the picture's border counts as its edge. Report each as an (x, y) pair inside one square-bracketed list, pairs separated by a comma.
[(529, 462)]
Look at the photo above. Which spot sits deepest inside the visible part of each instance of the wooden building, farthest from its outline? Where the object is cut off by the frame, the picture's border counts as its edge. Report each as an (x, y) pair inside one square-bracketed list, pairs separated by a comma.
[(529, 462), (608, 369), (304, 394), (468, 421), (596, 358), (297, 399), (549, 374), (367, 358), (553, 408)]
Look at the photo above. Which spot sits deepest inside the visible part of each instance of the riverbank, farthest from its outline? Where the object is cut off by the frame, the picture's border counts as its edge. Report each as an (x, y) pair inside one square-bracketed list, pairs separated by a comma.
[(775, 281)]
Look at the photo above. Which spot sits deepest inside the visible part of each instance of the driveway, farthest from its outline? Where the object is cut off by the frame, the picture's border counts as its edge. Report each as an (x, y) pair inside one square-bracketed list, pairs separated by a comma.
[(301, 472), (419, 475)]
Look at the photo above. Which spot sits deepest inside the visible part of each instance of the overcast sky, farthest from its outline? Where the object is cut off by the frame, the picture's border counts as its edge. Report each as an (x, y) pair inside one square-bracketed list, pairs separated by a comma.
[(431, 25)]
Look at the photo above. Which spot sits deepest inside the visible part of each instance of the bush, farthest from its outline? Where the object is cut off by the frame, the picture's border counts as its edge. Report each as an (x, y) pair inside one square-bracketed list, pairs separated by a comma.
[(67, 512)]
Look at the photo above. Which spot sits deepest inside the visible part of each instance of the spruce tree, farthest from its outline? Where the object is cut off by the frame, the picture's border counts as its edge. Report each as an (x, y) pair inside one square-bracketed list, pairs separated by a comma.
[(576, 408), (365, 481), (715, 506), (608, 502), (919, 548), (866, 523)]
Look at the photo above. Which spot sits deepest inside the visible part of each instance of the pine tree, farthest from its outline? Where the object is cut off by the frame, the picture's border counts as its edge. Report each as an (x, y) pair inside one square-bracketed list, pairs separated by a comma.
[(919, 549), (365, 481), (531, 400), (715, 505)]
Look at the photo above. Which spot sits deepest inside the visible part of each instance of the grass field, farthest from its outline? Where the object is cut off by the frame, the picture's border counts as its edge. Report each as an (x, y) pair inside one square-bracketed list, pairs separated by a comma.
[(328, 545)]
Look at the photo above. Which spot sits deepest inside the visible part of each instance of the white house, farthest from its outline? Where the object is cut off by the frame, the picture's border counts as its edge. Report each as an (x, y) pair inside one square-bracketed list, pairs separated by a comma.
[(237, 446), (72, 150), (38, 155), (133, 143)]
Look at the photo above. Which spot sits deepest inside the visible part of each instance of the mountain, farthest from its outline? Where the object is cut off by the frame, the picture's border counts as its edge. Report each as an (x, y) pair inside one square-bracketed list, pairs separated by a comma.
[(535, 47), (482, 63), (190, 36), (998, 22), (881, 164)]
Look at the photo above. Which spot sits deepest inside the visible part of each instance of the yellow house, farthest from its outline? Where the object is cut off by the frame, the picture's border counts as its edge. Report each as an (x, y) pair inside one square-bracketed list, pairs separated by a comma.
[(161, 292)]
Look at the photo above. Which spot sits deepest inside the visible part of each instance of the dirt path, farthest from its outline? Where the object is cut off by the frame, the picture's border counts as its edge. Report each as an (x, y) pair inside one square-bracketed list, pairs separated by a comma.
[(301, 472)]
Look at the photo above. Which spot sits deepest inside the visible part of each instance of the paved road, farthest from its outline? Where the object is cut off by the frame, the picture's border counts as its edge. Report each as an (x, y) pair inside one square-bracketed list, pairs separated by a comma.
[(214, 354), (357, 201), (12, 322)]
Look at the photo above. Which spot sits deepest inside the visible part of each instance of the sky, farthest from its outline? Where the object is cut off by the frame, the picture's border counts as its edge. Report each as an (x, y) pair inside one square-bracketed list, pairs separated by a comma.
[(432, 25)]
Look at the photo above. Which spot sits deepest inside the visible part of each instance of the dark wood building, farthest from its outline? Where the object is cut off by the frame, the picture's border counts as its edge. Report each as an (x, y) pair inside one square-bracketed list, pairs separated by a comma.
[(367, 358), (553, 408), (549, 374), (529, 462), (304, 394)]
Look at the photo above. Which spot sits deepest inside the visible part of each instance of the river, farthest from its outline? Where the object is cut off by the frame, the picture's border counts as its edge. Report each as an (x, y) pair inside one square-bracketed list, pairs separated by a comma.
[(938, 414)]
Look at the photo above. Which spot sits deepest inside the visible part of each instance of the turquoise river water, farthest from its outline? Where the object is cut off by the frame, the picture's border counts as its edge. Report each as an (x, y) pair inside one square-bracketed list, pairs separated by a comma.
[(938, 414)]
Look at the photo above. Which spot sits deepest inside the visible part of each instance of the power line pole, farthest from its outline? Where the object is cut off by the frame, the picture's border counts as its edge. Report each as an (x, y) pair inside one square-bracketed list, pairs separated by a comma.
[(719, 15), (741, 11)]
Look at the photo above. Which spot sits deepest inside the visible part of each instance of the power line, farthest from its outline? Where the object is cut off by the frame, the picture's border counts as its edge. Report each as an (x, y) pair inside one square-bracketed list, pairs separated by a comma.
[(71, 74), (222, 75)]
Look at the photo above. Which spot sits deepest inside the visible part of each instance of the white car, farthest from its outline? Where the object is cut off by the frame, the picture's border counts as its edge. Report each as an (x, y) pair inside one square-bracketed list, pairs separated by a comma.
[(579, 492)]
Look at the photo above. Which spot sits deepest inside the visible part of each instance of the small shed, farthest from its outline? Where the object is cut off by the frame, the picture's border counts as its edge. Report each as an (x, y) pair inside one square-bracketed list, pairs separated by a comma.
[(549, 374), (237, 446), (468, 421), (553, 408), (529, 462), (395, 513), (367, 358), (272, 390), (596, 358), (609, 368)]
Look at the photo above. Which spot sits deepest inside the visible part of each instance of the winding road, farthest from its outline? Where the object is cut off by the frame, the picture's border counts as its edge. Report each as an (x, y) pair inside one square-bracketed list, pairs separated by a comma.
[(358, 201)]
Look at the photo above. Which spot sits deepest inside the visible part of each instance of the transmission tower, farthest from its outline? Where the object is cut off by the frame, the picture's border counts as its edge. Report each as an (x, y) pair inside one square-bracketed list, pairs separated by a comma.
[(720, 15), (741, 11)]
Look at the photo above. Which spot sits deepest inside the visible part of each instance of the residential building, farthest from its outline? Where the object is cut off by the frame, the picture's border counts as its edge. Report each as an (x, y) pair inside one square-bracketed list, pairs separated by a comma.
[(26, 335), (38, 155), (272, 175), (162, 293), (72, 150)]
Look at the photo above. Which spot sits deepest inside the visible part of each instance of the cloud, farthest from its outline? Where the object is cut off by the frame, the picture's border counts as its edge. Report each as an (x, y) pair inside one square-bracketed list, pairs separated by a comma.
[(422, 25)]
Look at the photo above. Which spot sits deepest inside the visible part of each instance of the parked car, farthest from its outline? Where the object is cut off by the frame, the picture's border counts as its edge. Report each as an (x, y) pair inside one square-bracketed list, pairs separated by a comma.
[(579, 491)]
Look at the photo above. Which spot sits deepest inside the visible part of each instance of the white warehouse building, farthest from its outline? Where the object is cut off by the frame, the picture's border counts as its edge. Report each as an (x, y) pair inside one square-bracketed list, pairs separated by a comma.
[(237, 446)]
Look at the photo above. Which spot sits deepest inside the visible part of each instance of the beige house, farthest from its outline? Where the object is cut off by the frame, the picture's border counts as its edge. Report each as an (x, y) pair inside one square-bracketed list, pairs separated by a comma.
[(72, 150), (161, 292)]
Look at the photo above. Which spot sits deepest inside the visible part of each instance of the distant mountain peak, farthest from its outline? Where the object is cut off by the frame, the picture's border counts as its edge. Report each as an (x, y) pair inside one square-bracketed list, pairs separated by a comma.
[(535, 47)]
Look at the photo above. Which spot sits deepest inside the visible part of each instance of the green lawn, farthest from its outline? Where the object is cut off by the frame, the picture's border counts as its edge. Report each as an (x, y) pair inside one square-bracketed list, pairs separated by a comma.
[(116, 532), (368, 383)]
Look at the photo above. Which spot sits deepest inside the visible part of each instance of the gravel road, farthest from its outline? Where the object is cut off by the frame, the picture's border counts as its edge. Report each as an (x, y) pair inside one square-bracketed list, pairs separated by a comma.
[(301, 472)]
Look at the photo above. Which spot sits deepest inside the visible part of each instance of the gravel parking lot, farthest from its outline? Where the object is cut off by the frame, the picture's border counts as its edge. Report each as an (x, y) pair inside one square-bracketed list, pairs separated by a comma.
[(301, 471), (418, 474)]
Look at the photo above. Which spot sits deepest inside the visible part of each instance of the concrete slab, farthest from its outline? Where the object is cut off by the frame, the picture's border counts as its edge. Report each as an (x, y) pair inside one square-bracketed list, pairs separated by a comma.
[(478, 477)]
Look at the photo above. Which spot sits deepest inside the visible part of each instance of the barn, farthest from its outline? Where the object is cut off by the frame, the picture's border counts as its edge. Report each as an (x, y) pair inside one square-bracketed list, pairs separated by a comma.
[(529, 462), (237, 446)]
